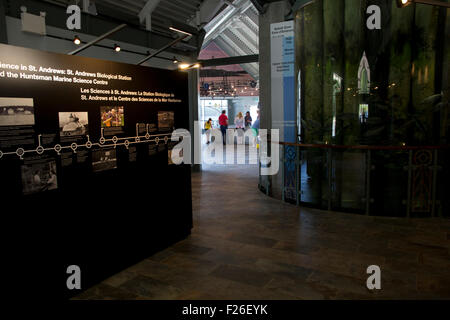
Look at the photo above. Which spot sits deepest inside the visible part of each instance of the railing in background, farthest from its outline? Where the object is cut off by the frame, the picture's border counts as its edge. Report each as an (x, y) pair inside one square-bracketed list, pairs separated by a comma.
[(397, 181)]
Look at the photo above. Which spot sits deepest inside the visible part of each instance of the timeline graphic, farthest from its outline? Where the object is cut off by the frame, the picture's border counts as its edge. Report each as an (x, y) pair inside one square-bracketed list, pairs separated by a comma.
[(103, 143)]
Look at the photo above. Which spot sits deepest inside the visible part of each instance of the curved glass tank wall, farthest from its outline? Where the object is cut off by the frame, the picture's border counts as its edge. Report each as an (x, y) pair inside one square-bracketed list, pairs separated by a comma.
[(373, 111)]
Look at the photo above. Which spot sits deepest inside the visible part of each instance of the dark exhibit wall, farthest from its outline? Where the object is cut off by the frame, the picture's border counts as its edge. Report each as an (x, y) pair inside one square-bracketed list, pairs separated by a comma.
[(84, 166)]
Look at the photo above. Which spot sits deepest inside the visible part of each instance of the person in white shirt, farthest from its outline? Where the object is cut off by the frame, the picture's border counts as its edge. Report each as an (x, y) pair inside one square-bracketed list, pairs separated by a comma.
[(240, 125)]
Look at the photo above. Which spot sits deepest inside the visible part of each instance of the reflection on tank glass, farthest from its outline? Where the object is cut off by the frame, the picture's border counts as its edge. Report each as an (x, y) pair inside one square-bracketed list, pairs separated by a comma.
[(387, 87)]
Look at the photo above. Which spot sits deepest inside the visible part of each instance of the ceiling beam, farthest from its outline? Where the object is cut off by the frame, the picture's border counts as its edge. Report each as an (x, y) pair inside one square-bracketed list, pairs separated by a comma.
[(252, 14), (248, 35), (173, 14), (249, 21), (237, 42), (184, 3), (171, 44), (140, 3), (126, 8), (237, 50), (175, 5), (106, 9), (229, 60)]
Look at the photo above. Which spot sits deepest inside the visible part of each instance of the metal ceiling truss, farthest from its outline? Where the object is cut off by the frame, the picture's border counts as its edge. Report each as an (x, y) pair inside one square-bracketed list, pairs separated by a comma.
[(226, 18), (224, 43), (245, 36), (236, 31), (238, 44)]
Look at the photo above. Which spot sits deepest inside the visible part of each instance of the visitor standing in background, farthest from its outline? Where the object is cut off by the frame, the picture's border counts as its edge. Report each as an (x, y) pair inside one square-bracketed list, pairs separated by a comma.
[(248, 120), (239, 122), (208, 127), (223, 122)]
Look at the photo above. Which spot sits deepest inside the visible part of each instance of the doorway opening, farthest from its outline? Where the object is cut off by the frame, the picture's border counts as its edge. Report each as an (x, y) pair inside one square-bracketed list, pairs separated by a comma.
[(228, 92)]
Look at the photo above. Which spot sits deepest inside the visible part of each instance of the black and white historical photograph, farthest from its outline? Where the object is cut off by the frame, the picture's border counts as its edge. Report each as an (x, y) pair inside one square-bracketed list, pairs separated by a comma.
[(103, 160), (16, 112), (39, 177), (73, 124), (166, 120)]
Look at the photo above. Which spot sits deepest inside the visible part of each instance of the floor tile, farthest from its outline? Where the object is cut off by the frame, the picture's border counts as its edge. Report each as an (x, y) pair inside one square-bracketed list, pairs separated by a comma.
[(266, 249)]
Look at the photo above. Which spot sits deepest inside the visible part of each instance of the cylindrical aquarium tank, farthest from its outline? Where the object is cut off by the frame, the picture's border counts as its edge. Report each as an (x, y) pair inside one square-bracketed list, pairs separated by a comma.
[(373, 109)]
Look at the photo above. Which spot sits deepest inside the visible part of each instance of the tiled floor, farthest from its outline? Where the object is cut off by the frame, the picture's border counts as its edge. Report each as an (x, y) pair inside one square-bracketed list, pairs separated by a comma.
[(247, 246)]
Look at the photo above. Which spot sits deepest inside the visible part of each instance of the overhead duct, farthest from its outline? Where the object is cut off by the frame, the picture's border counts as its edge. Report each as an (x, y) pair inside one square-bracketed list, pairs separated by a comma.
[(145, 15)]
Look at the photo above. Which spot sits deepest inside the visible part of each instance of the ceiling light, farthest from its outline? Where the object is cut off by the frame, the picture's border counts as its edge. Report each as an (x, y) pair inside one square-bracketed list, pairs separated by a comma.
[(403, 3), (180, 31), (175, 60), (186, 66), (117, 48), (76, 40)]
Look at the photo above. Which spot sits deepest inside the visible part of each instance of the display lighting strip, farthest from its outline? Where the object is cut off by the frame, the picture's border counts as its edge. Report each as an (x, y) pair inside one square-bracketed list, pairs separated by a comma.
[(20, 152)]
